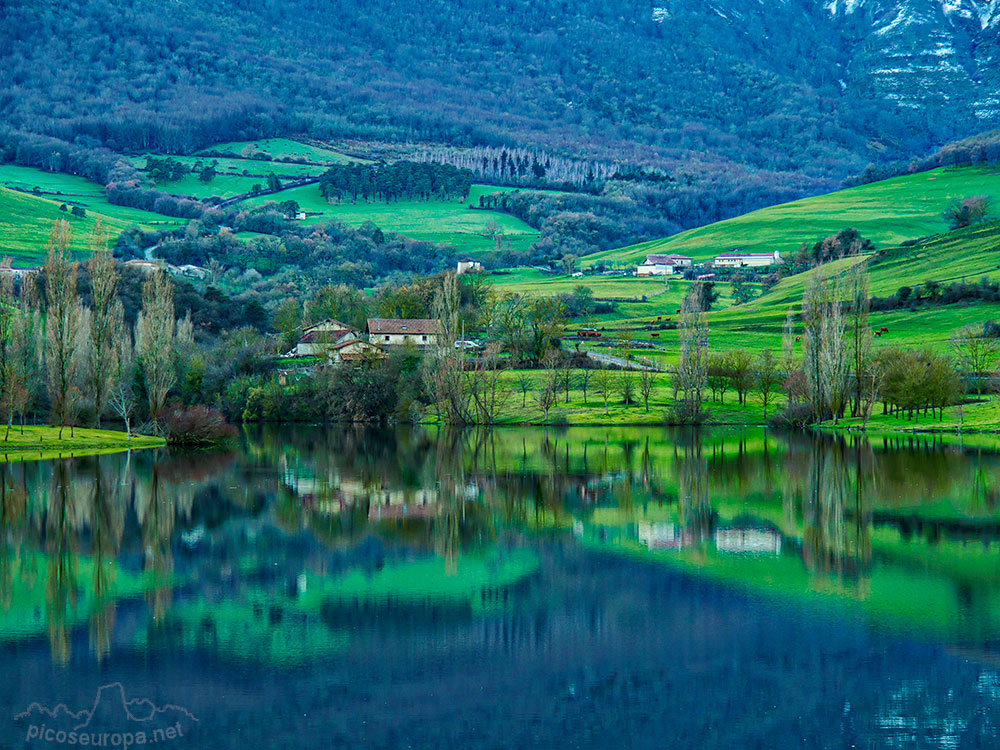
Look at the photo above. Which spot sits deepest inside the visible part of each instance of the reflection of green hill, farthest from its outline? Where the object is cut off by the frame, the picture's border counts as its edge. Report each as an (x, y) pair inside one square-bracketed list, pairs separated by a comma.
[(261, 630), (28, 609), (470, 578), (947, 588), (283, 630)]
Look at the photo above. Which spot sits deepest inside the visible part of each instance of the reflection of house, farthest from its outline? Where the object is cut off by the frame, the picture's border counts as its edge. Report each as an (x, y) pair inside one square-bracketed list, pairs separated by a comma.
[(389, 504), (756, 541), (319, 337), (468, 264), (746, 260), (399, 331), (659, 535), (354, 350)]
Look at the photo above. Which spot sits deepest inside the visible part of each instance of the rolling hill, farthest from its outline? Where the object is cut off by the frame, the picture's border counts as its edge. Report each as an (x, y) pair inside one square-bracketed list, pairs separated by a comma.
[(887, 212)]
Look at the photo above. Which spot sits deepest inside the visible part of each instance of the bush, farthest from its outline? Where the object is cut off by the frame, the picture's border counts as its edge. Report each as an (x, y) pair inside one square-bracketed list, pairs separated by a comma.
[(196, 426), (794, 415), (684, 413)]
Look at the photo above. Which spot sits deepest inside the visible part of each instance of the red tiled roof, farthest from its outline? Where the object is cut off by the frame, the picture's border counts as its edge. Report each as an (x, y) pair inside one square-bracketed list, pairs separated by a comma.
[(399, 326), (363, 343)]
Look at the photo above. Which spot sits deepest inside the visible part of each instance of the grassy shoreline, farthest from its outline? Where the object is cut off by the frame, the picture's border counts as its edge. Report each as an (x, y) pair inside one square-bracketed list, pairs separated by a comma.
[(43, 441)]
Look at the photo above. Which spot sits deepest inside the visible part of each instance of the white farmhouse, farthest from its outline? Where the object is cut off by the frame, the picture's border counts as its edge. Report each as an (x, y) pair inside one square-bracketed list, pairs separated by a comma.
[(467, 265), (662, 265), (318, 338), (747, 260), (399, 331)]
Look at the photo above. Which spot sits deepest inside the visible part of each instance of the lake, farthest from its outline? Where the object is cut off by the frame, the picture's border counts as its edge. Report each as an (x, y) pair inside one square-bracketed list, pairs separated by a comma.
[(514, 588)]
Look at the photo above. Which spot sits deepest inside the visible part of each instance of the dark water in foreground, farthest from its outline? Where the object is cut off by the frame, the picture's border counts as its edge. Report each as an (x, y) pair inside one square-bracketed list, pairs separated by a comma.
[(632, 588)]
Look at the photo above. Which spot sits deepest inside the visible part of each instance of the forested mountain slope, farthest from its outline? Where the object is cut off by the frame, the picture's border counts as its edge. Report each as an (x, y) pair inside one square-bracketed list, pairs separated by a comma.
[(811, 87)]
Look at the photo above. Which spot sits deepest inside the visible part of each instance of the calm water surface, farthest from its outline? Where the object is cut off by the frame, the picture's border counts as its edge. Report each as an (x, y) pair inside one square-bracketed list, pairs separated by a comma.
[(525, 588)]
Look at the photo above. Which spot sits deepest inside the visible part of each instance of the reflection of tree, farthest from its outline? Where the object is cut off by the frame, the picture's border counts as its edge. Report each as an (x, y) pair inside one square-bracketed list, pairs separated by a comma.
[(694, 508), (107, 524), (60, 587), (836, 539)]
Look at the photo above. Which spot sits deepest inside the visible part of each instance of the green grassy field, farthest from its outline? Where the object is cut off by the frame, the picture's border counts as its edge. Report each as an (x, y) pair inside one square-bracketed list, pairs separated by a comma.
[(279, 148), (43, 442), (448, 222), (25, 221), (233, 176), (886, 212), (77, 191)]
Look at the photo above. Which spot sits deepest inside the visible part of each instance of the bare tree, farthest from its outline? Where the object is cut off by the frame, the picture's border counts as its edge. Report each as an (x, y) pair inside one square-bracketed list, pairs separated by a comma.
[(26, 354), (524, 384), (768, 378), (443, 368), (155, 331), (122, 385), (647, 381), (548, 387), (604, 383), (976, 354), (104, 296), (815, 302), (63, 326), (788, 342), (833, 360), (693, 369), (626, 378), (486, 386), (585, 374), (858, 331)]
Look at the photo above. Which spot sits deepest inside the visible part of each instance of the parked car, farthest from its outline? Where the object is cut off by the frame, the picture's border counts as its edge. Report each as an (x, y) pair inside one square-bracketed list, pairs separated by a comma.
[(466, 344)]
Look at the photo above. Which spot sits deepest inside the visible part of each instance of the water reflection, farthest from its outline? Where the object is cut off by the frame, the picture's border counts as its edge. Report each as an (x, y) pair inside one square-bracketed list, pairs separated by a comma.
[(377, 551)]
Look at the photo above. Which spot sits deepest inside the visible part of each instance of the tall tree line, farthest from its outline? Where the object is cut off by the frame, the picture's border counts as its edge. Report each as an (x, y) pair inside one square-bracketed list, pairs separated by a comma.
[(90, 359)]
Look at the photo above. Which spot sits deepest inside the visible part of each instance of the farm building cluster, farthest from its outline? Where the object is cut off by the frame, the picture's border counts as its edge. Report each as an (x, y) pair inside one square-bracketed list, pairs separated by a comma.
[(668, 265), (340, 343)]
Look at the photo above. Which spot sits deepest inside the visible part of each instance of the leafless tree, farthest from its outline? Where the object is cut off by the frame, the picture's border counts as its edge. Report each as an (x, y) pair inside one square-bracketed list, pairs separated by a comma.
[(63, 326), (104, 299), (858, 331), (548, 387), (155, 332), (976, 354), (604, 383), (788, 342), (487, 388), (524, 384), (585, 375), (768, 378), (815, 302), (692, 371), (647, 381), (834, 361)]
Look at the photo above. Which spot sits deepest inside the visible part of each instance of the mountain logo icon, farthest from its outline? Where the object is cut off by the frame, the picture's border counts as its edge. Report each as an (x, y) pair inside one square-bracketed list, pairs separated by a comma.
[(112, 720)]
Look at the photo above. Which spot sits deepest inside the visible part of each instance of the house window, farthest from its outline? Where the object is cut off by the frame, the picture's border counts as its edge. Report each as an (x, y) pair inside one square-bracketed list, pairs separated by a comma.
[(386, 338), (423, 338)]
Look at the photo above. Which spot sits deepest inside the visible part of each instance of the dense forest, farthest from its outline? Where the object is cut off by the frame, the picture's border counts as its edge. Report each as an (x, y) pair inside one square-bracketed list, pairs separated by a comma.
[(751, 105), (401, 180)]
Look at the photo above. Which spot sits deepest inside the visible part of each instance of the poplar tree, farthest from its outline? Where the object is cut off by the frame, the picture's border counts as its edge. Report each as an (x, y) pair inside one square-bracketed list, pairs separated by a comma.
[(104, 307), (63, 325), (155, 330)]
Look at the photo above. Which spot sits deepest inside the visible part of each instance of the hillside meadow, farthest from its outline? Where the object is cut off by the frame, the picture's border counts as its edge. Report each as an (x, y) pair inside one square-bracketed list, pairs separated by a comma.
[(449, 222), (888, 213), (25, 222)]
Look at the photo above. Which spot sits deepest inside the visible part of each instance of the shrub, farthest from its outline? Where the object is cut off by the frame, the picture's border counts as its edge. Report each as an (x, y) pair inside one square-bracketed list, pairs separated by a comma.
[(196, 426), (794, 415)]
